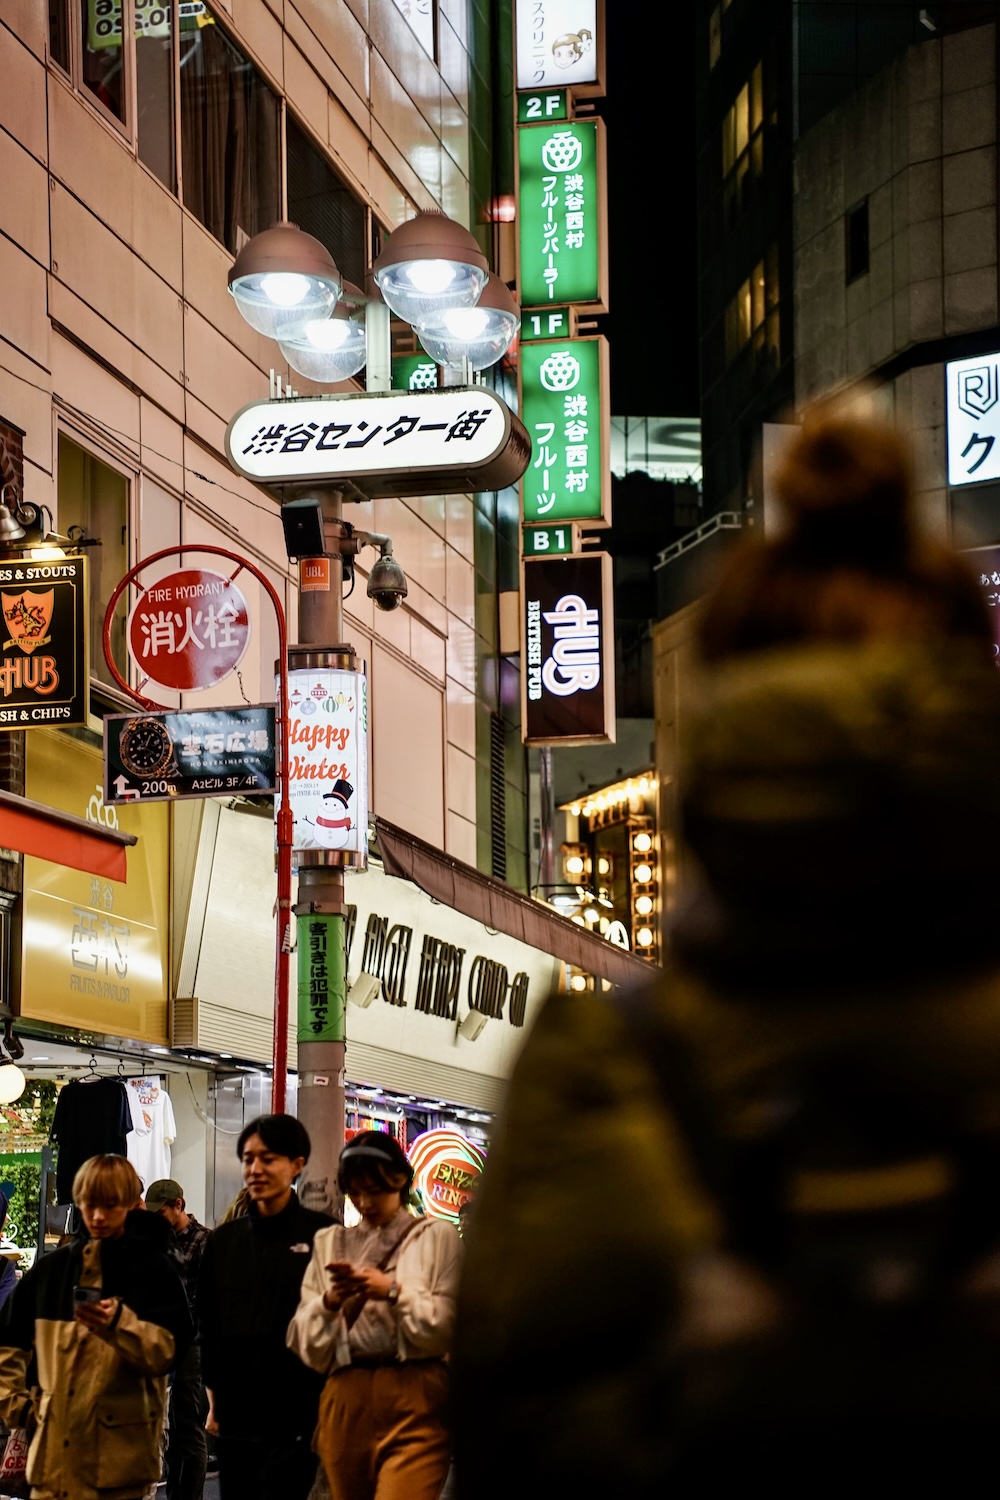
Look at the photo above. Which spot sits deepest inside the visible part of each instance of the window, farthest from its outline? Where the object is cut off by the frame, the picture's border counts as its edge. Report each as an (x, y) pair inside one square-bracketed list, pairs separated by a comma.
[(321, 204), (101, 45), (419, 15), (714, 36), (743, 144), (752, 317), (95, 496), (230, 139), (856, 241)]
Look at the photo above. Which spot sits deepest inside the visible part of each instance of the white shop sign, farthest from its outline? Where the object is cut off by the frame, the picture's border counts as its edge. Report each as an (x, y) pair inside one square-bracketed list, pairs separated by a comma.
[(973, 419), (556, 43), (328, 759)]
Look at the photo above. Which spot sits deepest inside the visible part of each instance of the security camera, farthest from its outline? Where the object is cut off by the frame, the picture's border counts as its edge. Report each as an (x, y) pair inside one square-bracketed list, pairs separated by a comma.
[(364, 989), (387, 582)]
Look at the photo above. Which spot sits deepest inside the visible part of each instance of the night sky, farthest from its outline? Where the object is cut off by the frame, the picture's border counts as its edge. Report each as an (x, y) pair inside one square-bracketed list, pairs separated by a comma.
[(649, 113)]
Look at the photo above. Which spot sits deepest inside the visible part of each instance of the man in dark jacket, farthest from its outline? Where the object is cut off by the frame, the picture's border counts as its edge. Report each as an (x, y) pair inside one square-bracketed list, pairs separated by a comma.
[(262, 1400)]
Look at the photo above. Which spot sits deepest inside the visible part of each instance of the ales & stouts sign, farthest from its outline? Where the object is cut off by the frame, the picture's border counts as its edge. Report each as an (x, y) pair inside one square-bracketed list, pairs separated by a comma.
[(43, 655)]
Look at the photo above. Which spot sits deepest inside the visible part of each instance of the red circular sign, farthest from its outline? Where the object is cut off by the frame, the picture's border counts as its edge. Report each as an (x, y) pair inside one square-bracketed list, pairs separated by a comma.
[(189, 630)]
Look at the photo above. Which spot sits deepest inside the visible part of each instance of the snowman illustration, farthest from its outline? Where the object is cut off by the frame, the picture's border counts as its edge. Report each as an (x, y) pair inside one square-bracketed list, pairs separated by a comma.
[(333, 821)]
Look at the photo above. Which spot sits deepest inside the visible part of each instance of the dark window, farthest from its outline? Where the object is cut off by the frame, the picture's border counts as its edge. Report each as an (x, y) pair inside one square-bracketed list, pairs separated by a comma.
[(59, 33), (154, 85), (321, 204), (229, 138), (96, 497), (104, 53), (856, 224)]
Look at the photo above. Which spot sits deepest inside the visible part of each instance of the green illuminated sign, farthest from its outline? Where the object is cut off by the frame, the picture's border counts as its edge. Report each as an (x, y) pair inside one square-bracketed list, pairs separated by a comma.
[(322, 978), (547, 541), (561, 389), (559, 214), (550, 323), (414, 372), (549, 105)]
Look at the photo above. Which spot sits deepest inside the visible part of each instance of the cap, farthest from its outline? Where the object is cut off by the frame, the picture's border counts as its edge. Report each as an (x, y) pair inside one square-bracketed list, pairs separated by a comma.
[(163, 1190)]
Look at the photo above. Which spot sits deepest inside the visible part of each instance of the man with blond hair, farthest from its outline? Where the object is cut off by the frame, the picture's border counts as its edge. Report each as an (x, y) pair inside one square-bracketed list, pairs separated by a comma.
[(104, 1318)]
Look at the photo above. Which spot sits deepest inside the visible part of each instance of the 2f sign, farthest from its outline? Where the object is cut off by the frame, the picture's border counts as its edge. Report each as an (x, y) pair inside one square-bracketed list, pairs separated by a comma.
[(539, 107), (973, 415)]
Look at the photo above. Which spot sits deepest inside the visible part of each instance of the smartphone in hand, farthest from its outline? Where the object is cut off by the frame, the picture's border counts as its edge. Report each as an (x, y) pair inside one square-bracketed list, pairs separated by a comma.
[(84, 1294)]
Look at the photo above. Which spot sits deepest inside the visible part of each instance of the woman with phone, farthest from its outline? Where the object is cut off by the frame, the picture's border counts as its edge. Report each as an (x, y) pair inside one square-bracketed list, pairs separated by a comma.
[(376, 1317), (104, 1319)]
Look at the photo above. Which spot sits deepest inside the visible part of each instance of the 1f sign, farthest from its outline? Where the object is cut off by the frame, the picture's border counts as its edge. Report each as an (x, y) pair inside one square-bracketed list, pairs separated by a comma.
[(973, 415)]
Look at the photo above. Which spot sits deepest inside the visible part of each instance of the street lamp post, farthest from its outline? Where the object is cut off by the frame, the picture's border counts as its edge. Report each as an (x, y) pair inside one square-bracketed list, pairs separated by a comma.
[(432, 274)]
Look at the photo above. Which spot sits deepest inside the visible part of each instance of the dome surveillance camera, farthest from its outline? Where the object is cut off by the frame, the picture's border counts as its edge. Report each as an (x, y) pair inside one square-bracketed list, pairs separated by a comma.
[(387, 583)]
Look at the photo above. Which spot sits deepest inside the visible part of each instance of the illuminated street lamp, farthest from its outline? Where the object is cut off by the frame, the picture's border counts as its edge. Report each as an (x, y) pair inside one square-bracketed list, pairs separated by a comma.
[(331, 349), (480, 334), (428, 265), (284, 279)]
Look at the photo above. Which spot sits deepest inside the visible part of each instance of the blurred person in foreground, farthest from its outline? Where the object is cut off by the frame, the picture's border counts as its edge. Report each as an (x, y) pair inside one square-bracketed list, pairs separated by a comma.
[(797, 1128), (90, 1334), (262, 1400), (187, 1444), (376, 1318)]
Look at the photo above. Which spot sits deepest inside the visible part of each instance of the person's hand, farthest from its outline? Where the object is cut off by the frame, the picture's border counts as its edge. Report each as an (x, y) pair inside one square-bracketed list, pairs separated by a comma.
[(343, 1284), (211, 1421), (96, 1316), (375, 1284)]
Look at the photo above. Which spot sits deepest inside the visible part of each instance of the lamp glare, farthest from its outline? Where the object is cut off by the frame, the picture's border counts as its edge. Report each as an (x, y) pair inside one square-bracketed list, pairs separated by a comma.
[(285, 288), (644, 905), (642, 843), (643, 874), (644, 937)]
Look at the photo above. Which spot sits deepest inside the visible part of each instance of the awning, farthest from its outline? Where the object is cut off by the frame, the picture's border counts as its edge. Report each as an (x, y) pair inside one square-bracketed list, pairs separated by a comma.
[(61, 837), (504, 910)]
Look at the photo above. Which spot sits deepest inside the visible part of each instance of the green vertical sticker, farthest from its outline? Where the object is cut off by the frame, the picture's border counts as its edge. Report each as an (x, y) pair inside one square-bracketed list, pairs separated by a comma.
[(322, 975), (559, 214)]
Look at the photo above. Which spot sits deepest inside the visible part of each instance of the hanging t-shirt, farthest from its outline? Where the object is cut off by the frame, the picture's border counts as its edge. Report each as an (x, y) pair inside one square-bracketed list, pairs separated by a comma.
[(91, 1119), (153, 1129)]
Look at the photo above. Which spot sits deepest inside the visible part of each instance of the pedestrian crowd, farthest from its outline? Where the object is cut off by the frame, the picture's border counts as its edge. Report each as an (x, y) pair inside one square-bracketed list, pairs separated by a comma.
[(280, 1336)]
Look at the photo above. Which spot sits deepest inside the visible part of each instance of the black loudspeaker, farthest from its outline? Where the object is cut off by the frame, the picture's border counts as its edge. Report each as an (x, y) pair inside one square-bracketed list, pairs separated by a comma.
[(302, 523)]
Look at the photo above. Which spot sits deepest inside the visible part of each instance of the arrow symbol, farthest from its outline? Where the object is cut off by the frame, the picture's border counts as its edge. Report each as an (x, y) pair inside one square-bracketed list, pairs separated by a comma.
[(125, 792)]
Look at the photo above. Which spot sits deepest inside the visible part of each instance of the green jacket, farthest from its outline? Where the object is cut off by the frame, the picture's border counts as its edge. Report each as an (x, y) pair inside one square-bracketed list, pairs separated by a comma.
[(845, 806)]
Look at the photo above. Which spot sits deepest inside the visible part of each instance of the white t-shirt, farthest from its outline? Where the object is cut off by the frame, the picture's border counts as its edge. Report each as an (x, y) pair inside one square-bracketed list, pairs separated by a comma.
[(148, 1143)]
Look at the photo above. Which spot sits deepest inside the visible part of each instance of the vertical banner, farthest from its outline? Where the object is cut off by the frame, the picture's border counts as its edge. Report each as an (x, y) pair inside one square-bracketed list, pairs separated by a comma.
[(322, 978), (565, 407), (568, 651), (560, 43), (562, 233), (328, 761)]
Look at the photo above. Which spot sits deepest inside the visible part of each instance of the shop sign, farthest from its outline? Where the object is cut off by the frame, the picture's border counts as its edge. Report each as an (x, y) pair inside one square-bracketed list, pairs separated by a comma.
[(419, 15), (550, 323), (152, 19), (973, 419), (414, 372), (986, 562), (561, 234), (563, 402), (447, 1167), (95, 950), (44, 672), (162, 756), (549, 541), (534, 108), (189, 630), (568, 660), (321, 978), (328, 759), (556, 42), (421, 442)]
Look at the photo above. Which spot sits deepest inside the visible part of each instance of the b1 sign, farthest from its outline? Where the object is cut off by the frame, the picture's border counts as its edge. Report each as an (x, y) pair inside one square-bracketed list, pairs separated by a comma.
[(420, 442), (973, 419), (568, 655), (328, 762)]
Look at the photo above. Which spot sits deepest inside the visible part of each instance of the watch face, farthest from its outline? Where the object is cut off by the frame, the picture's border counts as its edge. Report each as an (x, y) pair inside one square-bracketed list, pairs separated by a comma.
[(145, 747)]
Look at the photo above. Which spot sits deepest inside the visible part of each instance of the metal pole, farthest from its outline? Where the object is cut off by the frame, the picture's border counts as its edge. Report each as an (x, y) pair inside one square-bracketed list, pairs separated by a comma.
[(320, 908)]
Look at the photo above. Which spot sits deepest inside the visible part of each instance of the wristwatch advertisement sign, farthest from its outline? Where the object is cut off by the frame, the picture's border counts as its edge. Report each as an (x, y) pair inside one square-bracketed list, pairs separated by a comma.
[(158, 757)]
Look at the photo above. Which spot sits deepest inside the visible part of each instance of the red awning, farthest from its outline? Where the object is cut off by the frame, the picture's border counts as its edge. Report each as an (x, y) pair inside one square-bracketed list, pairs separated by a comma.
[(503, 909), (32, 828)]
